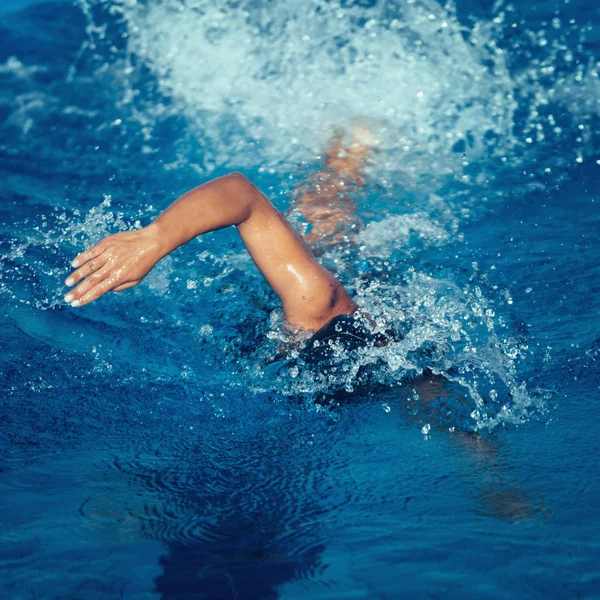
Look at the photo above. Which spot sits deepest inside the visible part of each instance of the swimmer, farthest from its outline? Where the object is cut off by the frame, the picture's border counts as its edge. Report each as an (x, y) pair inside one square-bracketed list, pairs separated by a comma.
[(311, 296)]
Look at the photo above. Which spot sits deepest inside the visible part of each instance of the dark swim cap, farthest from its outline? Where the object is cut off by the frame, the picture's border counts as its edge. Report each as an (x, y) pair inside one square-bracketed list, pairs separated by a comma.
[(350, 332)]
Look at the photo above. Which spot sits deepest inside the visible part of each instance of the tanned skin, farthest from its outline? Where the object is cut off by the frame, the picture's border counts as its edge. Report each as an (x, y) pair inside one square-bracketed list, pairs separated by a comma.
[(311, 296)]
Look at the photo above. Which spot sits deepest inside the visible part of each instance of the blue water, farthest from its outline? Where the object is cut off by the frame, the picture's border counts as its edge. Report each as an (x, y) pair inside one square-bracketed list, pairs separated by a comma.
[(148, 446)]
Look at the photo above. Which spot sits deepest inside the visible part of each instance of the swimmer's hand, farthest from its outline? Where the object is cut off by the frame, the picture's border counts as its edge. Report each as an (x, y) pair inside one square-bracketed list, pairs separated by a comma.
[(115, 263)]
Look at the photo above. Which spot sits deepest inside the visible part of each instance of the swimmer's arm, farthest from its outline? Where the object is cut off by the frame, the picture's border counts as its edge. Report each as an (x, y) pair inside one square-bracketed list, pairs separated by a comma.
[(310, 295)]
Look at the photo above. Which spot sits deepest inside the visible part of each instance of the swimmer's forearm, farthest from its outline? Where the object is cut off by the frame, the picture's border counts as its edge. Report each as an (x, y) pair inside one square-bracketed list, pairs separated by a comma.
[(214, 205), (122, 260)]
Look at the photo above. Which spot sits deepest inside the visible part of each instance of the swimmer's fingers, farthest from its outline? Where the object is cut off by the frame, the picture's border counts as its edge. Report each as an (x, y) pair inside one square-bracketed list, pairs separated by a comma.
[(76, 297), (91, 266), (106, 285), (89, 254)]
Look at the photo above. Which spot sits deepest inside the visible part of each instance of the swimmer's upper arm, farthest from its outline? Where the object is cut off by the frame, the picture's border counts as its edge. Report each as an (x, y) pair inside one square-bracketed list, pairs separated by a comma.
[(311, 296)]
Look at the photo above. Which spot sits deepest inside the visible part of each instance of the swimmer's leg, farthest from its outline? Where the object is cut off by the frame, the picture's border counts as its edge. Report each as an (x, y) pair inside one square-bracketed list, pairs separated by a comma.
[(501, 496)]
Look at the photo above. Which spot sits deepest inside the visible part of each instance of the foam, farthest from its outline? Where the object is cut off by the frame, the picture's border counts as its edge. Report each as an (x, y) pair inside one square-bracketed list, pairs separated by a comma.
[(270, 83)]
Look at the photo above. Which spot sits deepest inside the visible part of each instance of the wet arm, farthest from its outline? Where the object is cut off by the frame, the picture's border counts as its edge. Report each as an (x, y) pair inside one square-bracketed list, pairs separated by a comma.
[(310, 295)]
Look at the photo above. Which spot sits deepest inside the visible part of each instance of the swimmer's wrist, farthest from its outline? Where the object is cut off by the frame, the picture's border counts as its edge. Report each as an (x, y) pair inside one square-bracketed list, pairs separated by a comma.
[(159, 240)]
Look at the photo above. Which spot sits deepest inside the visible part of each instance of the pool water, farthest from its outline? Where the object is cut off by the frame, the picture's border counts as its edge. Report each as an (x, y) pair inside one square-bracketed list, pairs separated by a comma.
[(151, 446)]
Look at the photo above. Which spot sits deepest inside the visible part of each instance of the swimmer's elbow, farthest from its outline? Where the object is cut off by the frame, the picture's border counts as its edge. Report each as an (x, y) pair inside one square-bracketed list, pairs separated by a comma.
[(341, 303), (330, 303)]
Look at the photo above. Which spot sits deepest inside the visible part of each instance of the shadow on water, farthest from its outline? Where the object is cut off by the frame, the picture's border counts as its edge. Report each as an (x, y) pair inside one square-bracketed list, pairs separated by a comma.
[(240, 520), (244, 563), (236, 520)]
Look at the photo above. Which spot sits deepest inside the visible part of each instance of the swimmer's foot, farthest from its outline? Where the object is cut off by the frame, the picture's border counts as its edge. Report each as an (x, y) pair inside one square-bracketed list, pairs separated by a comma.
[(348, 160), (327, 203)]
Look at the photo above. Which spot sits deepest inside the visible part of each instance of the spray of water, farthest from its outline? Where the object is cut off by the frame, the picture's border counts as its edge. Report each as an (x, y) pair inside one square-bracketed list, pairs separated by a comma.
[(465, 112), (268, 83)]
